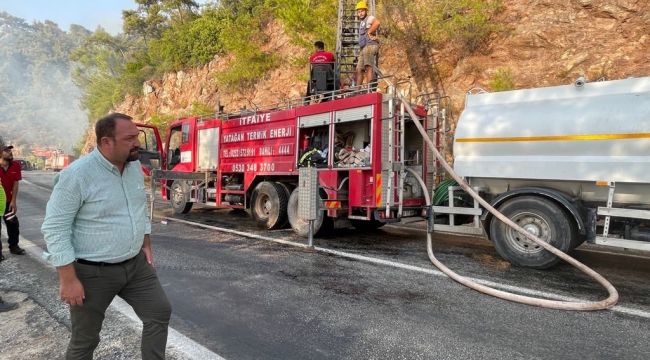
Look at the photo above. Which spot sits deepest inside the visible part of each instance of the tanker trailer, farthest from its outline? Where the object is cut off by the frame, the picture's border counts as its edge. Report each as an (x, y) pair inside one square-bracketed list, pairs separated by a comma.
[(567, 163)]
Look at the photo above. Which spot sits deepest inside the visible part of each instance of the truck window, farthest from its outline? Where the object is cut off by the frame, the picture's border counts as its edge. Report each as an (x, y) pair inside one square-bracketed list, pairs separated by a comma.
[(352, 142), (314, 140), (147, 139), (186, 133), (174, 147)]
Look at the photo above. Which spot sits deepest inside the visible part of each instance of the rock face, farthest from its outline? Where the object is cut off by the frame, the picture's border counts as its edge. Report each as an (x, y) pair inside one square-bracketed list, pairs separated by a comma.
[(541, 43), (551, 42)]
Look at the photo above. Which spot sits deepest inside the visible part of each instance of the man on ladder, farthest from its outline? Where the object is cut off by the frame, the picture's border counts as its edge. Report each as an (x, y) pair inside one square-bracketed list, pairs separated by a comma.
[(368, 44)]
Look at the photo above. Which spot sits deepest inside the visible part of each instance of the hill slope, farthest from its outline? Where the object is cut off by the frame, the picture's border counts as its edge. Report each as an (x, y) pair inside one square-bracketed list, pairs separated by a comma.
[(543, 43)]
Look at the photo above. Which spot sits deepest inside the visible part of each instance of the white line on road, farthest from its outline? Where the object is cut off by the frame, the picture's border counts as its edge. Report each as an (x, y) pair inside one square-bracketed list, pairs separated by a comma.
[(37, 185), (518, 289), (187, 347)]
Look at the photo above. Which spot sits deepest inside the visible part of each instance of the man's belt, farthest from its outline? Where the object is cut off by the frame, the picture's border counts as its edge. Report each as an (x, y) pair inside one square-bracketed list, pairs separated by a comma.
[(101, 263)]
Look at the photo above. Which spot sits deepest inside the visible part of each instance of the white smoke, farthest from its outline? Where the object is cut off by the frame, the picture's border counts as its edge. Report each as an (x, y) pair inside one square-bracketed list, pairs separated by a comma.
[(39, 103)]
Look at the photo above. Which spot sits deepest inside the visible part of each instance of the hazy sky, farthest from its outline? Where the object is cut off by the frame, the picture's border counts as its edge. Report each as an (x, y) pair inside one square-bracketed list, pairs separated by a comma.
[(87, 13)]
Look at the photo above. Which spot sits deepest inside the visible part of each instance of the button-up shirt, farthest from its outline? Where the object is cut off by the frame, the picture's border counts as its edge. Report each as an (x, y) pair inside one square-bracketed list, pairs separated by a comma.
[(95, 213)]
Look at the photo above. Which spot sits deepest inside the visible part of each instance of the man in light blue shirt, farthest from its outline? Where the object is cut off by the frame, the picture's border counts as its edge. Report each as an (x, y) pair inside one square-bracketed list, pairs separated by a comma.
[(97, 235)]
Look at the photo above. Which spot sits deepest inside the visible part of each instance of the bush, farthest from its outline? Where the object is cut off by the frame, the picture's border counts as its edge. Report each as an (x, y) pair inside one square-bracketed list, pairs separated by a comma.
[(242, 37), (467, 23), (502, 81), (161, 121), (306, 21), (189, 44)]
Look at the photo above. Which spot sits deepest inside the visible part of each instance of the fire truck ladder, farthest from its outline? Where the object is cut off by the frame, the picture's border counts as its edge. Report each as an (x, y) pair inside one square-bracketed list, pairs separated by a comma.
[(395, 157), (347, 38), (438, 132)]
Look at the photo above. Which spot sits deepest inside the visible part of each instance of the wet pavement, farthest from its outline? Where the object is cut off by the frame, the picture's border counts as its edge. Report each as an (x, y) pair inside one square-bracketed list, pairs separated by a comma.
[(253, 299)]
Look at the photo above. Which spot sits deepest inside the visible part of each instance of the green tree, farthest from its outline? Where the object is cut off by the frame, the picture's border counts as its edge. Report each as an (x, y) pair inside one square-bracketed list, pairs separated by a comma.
[(306, 21), (99, 65), (242, 36), (190, 44)]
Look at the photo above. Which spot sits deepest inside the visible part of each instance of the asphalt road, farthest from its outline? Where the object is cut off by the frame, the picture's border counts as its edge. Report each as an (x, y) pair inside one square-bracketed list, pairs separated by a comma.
[(254, 299)]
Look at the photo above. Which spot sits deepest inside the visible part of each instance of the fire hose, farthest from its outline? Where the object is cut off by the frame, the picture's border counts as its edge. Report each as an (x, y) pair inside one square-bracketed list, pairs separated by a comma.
[(607, 303)]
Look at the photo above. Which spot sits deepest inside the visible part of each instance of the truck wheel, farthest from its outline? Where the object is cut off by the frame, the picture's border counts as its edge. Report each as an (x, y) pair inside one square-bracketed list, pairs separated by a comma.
[(300, 226), (180, 198), (540, 217), (269, 205)]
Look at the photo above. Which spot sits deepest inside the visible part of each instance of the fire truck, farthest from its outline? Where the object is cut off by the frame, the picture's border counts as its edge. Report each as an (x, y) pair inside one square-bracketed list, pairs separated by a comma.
[(363, 144), (58, 161)]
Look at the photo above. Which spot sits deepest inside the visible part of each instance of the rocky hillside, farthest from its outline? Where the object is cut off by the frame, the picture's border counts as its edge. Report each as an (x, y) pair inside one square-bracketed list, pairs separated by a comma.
[(539, 43)]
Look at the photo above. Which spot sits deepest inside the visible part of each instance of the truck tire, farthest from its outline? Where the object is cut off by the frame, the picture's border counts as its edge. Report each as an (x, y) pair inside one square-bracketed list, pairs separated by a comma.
[(300, 226), (269, 205), (539, 216), (180, 197)]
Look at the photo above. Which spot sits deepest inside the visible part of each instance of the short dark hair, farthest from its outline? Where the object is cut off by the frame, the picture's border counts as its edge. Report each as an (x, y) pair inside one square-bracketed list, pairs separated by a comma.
[(320, 45), (105, 127)]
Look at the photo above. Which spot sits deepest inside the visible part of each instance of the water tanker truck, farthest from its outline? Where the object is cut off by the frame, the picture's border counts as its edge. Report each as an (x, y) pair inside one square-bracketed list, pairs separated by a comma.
[(567, 163)]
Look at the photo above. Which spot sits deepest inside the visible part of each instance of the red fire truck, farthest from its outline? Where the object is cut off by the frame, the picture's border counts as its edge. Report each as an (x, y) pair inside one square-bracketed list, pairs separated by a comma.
[(58, 161), (365, 147)]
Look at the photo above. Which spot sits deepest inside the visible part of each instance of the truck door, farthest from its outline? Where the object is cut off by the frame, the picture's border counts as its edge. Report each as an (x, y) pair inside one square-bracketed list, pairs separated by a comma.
[(150, 147), (180, 147)]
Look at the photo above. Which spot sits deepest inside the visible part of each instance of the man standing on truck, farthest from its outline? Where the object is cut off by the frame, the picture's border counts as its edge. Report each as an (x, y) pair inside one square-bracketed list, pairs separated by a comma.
[(368, 44), (10, 175), (97, 234)]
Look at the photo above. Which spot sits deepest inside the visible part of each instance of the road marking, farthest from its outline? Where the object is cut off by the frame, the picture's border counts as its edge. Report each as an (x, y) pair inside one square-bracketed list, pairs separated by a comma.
[(37, 185), (176, 341), (372, 260)]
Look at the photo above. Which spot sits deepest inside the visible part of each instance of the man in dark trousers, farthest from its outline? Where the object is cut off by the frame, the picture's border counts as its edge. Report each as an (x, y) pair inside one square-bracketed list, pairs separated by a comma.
[(97, 234), (10, 175), (4, 306)]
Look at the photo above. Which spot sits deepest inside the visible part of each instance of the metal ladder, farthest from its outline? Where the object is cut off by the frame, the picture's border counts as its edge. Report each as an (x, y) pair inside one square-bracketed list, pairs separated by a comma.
[(437, 130), (347, 37), (396, 159)]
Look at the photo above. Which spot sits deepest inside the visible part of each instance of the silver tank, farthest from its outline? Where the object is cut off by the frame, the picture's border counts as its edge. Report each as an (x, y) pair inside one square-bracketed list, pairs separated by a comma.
[(566, 137)]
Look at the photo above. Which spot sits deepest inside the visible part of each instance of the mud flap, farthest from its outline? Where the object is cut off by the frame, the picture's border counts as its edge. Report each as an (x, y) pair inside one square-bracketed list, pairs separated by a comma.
[(430, 217)]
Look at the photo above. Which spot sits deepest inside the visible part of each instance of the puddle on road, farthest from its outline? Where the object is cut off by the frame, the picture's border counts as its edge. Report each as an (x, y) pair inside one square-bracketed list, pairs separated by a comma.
[(491, 261)]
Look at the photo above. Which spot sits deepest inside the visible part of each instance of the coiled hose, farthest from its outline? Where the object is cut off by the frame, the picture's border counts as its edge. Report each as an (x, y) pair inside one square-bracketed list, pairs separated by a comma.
[(607, 303), (441, 194)]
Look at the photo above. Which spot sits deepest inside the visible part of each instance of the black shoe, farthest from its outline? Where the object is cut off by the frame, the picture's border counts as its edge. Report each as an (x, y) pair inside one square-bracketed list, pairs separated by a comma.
[(2, 257), (16, 250), (4, 306)]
